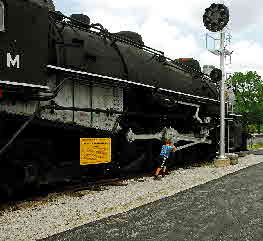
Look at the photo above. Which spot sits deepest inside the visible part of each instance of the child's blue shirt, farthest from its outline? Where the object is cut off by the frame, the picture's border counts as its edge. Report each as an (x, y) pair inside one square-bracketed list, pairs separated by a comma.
[(166, 149)]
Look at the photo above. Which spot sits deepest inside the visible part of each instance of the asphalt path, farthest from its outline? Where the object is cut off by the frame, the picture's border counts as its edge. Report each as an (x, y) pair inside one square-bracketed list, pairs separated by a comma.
[(229, 208)]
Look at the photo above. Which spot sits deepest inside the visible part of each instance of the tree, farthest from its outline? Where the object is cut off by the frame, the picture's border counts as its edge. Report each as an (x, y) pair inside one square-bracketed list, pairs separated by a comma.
[(248, 89)]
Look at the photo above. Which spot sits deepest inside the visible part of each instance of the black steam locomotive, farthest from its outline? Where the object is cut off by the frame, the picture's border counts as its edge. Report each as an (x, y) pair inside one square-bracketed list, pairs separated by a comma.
[(64, 78)]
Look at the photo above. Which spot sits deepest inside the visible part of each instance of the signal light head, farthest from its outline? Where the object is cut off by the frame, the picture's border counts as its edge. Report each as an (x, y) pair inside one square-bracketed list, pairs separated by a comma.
[(216, 17), (216, 75)]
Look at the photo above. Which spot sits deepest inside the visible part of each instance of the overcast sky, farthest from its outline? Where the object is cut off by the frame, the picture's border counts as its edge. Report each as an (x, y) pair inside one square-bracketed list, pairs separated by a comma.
[(176, 27)]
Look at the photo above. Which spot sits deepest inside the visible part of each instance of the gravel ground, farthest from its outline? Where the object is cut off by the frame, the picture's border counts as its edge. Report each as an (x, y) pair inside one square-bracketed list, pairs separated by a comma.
[(61, 212)]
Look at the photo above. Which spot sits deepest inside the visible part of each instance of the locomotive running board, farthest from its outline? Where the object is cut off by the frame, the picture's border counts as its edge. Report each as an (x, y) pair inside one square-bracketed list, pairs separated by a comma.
[(16, 84), (71, 71)]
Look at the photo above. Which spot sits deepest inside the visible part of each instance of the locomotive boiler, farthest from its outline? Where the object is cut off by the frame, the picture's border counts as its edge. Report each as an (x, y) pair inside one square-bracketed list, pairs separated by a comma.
[(64, 78)]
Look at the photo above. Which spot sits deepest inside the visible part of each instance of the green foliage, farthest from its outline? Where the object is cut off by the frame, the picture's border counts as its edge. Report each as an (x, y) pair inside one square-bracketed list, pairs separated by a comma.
[(251, 128), (248, 89), (255, 146)]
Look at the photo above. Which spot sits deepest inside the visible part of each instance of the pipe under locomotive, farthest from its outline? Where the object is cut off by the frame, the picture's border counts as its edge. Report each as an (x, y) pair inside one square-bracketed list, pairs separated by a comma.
[(63, 79)]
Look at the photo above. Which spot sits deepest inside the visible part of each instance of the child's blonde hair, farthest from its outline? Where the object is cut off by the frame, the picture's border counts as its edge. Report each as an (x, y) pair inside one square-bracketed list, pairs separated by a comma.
[(168, 140)]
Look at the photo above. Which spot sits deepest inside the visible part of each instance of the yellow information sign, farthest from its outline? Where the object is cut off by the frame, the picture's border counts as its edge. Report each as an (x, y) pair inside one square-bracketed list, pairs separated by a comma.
[(95, 150)]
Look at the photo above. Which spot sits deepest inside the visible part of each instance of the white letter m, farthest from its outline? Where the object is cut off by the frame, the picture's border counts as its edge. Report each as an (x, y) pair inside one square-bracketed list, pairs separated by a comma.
[(13, 62)]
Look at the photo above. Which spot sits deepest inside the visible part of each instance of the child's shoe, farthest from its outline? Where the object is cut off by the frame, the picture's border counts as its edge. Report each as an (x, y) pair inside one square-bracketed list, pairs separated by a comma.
[(165, 173), (156, 177)]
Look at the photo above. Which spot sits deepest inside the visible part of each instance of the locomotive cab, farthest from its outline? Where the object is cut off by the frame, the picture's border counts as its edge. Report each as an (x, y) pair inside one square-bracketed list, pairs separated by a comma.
[(23, 44)]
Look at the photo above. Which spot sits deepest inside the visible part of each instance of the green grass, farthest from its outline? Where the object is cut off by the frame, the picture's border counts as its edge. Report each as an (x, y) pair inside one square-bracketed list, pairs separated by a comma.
[(255, 146)]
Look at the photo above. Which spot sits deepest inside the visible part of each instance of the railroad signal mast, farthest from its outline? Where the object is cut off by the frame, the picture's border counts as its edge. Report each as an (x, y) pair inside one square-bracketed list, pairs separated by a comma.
[(215, 19)]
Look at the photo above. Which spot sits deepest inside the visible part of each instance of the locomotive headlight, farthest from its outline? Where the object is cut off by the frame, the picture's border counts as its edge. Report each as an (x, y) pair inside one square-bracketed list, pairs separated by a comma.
[(2, 16)]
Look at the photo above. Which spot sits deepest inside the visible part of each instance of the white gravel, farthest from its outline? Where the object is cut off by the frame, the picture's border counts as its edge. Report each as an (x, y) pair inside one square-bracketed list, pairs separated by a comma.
[(42, 219)]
